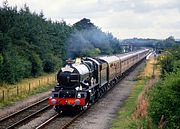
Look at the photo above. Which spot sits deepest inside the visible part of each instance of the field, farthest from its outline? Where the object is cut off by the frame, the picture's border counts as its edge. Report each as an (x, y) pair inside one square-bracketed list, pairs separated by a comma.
[(12, 93)]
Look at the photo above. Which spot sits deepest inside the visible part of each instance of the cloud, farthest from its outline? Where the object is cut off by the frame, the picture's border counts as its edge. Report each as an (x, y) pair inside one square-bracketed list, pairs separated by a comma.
[(124, 18)]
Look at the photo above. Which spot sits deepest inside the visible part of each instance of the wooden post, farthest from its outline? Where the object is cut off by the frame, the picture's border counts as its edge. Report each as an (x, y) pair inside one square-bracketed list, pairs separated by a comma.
[(29, 87), (17, 90), (48, 80), (8, 94), (3, 96), (39, 82)]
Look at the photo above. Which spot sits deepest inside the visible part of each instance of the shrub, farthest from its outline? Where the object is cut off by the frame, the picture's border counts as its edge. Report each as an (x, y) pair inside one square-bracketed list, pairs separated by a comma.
[(36, 65), (165, 100)]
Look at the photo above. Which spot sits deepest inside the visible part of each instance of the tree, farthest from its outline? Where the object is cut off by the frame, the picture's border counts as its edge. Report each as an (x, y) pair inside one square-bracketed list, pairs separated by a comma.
[(84, 24), (36, 65)]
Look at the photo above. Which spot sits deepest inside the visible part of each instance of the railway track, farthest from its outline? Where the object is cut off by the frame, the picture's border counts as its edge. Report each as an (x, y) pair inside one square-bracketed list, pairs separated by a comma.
[(24, 115), (63, 121)]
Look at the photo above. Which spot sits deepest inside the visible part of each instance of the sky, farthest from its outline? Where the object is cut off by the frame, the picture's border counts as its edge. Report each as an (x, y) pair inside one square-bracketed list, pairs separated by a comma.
[(157, 19)]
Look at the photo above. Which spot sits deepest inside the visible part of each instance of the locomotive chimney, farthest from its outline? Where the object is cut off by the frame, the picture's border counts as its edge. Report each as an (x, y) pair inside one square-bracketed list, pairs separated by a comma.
[(69, 61)]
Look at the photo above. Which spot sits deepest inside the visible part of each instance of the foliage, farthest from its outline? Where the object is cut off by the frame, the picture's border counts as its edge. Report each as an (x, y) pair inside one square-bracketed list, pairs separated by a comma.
[(29, 44), (166, 65), (165, 100), (1, 59), (165, 96), (170, 61), (36, 65)]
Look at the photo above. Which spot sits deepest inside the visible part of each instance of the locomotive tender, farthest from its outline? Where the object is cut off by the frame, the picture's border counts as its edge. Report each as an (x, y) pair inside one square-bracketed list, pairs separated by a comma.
[(82, 82)]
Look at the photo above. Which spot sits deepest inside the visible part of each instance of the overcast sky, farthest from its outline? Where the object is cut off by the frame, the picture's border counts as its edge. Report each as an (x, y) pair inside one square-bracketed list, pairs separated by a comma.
[(123, 18)]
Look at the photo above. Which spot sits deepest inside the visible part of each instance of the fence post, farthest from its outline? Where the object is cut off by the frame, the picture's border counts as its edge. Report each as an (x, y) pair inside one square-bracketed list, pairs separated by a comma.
[(3, 96), (7, 94), (39, 82), (17, 90), (29, 87)]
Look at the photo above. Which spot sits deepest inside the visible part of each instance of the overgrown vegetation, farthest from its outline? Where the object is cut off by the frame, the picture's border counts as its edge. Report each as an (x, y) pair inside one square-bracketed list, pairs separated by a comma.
[(164, 103)]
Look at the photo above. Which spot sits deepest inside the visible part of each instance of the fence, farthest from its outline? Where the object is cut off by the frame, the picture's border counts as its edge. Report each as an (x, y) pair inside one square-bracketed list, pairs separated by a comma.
[(16, 90)]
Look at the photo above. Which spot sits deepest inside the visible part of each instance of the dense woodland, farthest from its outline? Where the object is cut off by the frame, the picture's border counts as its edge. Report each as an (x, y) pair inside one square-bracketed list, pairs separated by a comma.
[(31, 45)]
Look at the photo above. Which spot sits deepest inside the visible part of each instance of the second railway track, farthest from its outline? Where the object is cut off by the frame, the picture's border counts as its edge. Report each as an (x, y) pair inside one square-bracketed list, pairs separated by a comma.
[(24, 115)]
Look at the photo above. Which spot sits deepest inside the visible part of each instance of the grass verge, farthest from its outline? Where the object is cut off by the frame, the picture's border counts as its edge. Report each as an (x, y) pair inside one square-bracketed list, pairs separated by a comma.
[(34, 91), (12, 93)]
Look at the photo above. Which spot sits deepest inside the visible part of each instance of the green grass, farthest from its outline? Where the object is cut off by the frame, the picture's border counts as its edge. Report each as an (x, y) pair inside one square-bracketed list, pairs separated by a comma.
[(37, 90), (124, 120)]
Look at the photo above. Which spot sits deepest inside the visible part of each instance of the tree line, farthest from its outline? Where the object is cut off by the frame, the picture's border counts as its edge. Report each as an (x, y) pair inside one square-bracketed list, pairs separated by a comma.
[(158, 44)]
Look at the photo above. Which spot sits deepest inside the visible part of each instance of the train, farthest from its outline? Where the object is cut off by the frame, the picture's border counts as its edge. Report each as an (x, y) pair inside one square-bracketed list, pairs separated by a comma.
[(84, 80)]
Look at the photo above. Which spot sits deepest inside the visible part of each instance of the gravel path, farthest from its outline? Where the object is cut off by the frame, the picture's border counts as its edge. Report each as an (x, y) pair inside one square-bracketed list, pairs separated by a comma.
[(101, 115), (23, 103)]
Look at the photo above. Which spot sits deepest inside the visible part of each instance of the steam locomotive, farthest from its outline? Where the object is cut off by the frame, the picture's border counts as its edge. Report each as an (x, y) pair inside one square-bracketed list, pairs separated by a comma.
[(85, 80)]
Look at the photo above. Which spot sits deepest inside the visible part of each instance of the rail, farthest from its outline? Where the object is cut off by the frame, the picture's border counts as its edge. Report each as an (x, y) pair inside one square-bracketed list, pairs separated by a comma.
[(24, 114)]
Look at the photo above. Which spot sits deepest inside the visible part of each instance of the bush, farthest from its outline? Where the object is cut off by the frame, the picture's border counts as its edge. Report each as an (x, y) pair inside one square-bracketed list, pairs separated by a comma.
[(51, 63), (14, 67), (165, 100), (170, 61), (36, 65)]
